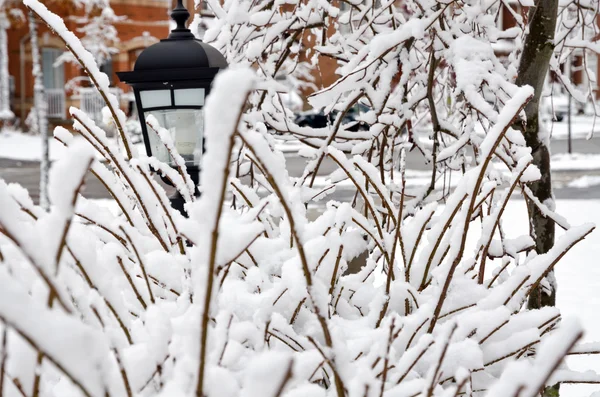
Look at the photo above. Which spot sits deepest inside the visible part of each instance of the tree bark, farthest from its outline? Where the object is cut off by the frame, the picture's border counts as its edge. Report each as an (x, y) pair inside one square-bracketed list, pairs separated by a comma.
[(533, 69), (41, 113)]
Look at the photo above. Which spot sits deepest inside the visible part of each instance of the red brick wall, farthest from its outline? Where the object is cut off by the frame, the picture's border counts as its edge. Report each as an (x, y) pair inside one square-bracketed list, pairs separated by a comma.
[(325, 73), (142, 16)]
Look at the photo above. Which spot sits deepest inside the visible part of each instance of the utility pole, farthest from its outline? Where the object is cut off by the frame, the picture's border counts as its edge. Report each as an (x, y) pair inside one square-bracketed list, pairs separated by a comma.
[(569, 144), (569, 111)]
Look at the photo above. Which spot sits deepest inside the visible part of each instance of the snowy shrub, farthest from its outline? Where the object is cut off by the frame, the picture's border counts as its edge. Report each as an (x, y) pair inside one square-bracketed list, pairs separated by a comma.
[(134, 130), (248, 296), (99, 35)]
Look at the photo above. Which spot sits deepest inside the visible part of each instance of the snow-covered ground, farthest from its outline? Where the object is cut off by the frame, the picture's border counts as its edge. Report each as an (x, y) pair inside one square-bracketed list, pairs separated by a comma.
[(585, 181), (575, 162), (25, 147), (581, 127), (578, 275), (17, 146)]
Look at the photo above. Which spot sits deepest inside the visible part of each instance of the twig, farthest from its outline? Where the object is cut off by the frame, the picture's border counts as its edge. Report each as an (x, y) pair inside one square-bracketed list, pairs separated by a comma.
[(96, 84), (440, 361), (286, 378), (210, 269), (387, 358), (140, 262), (3, 356), (482, 171), (131, 284), (58, 365)]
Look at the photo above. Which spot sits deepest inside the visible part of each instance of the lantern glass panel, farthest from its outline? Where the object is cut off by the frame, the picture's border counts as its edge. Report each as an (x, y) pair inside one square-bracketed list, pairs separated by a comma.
[(189, 97), (186, 127), (155, 98)]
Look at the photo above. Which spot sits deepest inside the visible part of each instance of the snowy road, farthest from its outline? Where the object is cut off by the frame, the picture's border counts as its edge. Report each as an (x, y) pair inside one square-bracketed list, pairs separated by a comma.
[(575, 177), (568, 184), (27, 174)]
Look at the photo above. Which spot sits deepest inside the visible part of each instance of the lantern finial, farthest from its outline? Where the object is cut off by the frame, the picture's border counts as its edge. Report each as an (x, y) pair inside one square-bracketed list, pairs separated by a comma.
[(180, 15)]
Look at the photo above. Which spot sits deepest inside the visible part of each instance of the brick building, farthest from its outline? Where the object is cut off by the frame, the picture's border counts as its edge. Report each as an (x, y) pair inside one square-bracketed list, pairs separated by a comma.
[(144, 23), (147, 21), (507, 19)]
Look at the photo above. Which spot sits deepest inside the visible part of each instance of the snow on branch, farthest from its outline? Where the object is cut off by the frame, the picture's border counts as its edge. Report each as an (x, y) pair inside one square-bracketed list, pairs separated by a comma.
[(87, 62), (274, 285)]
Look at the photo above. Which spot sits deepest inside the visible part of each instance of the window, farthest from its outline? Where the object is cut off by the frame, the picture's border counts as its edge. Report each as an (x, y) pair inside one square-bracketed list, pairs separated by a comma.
[(107, 68), (54, 82), (54, 76), (204, 8)]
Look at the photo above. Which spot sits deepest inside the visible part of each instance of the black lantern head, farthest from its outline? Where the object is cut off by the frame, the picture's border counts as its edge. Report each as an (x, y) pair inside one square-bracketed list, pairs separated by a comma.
[(171, 80)]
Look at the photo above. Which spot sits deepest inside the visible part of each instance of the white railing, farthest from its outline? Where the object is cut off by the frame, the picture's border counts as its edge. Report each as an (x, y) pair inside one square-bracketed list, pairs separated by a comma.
[(55, 97), (91, 102)]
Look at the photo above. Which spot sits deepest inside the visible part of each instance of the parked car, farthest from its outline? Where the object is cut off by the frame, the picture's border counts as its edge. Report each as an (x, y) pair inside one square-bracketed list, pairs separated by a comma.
[(319, 119)]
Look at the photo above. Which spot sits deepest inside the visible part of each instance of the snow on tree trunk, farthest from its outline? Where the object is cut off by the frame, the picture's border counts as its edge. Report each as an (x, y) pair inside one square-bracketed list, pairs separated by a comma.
[(40, 107), (533, 67), (5, 112)]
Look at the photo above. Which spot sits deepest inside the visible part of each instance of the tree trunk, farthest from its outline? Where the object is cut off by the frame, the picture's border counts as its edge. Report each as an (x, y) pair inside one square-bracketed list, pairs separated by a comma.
[(533, 69), (41, 114)]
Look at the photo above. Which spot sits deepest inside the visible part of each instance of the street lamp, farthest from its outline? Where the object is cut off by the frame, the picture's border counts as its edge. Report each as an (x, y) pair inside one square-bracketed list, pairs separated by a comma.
[(171, 80)]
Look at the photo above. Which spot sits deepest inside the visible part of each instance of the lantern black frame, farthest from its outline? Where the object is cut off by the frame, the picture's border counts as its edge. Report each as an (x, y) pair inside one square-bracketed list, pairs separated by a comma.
[(178, 62), (143, 86)]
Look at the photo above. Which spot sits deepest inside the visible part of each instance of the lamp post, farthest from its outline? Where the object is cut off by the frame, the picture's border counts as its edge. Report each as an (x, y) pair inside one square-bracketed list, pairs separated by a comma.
[(170, 81)]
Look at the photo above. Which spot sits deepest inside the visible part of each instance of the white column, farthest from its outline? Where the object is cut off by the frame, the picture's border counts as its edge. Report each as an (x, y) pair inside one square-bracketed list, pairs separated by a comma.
[(5, 112)]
